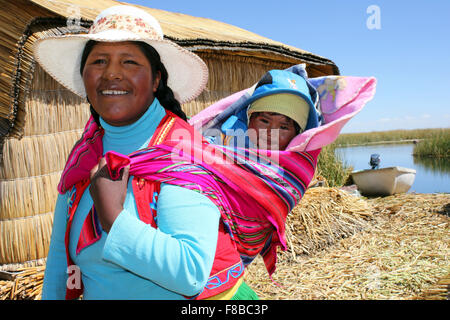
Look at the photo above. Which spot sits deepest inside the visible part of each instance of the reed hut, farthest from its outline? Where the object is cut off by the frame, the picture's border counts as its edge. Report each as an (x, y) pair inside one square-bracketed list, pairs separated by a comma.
[(40, 120)]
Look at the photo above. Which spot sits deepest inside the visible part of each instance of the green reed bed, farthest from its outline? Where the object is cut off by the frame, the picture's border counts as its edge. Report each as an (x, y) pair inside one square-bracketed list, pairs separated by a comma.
[(430, 144), (332, 168), (437, 145), (390, 136)]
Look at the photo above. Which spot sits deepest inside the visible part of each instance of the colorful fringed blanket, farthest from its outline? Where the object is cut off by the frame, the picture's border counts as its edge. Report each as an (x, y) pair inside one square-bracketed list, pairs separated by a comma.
[(255, 216), (253, 189)]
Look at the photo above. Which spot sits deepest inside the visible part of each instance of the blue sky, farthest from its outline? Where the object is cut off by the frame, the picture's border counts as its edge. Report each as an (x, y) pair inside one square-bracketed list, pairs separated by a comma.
[(408, 52)]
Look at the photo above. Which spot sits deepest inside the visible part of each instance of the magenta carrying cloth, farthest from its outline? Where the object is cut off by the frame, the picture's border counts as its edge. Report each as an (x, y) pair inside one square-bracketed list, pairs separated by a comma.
[(340, 99), (253, 189)]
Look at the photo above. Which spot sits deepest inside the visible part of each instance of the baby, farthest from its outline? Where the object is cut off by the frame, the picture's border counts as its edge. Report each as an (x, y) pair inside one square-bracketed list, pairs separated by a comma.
[(279, 109), (276, 119)]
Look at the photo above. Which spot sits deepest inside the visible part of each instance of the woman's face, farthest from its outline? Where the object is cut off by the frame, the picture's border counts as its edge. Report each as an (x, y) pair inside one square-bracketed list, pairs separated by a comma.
[(270, 130), (119, 82)]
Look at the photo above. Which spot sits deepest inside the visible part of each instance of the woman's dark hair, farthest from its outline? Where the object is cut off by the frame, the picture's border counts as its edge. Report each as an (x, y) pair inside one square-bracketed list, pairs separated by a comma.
[(163, 93)]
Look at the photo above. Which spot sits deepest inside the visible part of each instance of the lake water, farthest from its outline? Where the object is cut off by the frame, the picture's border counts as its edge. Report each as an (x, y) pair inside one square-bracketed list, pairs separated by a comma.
[(433, 175)]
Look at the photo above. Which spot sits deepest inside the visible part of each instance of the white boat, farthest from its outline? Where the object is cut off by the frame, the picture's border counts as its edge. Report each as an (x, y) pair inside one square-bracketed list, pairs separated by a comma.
[(384, 181)]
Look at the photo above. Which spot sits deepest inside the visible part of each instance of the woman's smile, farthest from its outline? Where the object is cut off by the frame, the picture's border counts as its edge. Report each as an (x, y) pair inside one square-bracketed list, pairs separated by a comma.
[(113, 93)]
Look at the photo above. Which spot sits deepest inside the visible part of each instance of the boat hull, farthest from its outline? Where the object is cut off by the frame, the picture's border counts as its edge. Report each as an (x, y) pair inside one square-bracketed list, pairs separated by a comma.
[(384, 181)]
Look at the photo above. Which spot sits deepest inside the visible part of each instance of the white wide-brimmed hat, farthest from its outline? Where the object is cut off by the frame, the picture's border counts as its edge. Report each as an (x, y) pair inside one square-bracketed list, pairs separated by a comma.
[(60, 56)]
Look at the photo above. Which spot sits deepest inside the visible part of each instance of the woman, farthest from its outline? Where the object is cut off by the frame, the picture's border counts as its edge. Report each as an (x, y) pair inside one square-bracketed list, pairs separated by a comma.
[(102, 245)]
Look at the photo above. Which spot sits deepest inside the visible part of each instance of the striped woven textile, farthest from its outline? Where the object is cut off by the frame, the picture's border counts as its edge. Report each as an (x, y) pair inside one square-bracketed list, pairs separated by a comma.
[(253, 189)]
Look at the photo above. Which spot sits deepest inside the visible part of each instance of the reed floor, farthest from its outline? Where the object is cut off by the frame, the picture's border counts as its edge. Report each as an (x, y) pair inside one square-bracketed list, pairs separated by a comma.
[(402, 254), (399, 251)]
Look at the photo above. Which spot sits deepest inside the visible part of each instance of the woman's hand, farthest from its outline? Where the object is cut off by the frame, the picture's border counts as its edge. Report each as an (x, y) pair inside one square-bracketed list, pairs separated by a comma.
[(108, 195)]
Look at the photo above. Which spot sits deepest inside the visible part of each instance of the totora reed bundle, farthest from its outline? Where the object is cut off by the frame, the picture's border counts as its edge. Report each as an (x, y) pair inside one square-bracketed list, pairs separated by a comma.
[(23, 284), (324, 216)]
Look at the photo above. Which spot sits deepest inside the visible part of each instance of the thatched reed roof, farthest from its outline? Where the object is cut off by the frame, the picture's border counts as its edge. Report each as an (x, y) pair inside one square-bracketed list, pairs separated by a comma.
[(196, 32), (19, 17)]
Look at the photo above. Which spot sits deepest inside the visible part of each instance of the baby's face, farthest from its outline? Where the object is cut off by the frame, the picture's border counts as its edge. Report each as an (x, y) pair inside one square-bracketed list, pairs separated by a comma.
[(270, 130)]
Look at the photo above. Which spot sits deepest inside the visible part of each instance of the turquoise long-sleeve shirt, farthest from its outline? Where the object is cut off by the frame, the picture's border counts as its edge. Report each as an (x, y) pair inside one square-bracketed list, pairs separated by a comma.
[(134, 260)]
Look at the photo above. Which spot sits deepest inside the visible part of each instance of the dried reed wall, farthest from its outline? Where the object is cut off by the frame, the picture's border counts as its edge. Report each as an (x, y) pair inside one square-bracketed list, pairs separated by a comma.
[(39, 122), (31, 167)]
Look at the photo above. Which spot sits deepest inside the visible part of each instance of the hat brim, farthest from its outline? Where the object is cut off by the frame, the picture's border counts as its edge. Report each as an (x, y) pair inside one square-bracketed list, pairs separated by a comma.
[(61, 57)]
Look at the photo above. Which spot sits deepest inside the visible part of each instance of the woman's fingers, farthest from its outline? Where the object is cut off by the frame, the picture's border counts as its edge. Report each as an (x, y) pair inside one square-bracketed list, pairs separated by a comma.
[(93, 171), (102, 162), (98, 168), (126, 173), (101, 170)]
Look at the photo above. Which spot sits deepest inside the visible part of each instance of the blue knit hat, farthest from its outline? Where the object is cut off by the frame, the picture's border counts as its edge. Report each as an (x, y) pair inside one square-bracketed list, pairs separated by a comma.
[(281, 81)]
